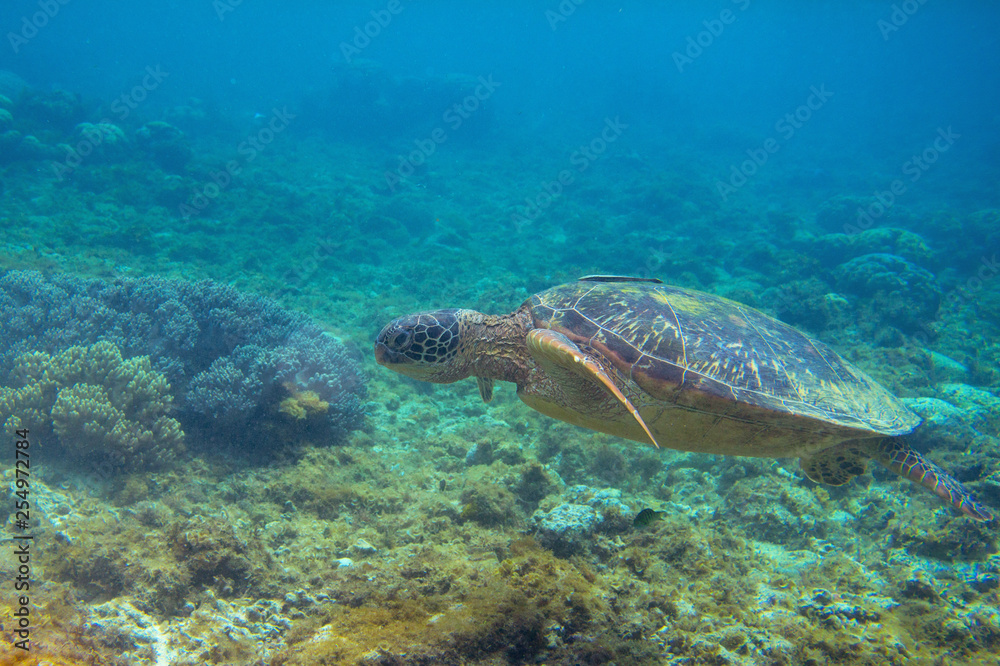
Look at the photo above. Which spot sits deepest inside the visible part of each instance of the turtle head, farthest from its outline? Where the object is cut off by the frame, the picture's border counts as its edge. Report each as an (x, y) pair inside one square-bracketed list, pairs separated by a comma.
[(425, 346)]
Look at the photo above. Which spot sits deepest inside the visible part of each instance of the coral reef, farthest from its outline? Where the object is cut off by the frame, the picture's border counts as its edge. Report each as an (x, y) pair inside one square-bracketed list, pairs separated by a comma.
[(947, 425), (892, 289), (564, 528), (809, 304), (839, 213), (104, 142), (770, 511), (452, 531), (230, 359), (165, 144), (102, 407), (51, 111), (11, 84), (16, 140), (835, 249)]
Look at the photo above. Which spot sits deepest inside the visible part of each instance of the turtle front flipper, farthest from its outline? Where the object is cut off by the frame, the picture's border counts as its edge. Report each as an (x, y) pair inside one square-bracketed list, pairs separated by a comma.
[(900, 458), (550, 347), (485, 385)]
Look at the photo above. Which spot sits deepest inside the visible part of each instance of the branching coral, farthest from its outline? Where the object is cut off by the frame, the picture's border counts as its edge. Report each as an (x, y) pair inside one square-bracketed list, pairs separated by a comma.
[(101, 406), (230, 358)]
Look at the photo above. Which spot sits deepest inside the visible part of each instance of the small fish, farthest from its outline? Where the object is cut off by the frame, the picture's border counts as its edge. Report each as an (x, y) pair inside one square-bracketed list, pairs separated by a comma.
[(647, 516)]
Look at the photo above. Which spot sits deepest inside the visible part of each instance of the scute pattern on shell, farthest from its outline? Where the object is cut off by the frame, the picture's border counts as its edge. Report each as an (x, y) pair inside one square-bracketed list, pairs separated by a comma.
[(693, 348)]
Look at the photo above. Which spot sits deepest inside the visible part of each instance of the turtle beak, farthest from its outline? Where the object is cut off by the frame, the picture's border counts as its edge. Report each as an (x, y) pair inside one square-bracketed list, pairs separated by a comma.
[(380, 350), (390, 358)]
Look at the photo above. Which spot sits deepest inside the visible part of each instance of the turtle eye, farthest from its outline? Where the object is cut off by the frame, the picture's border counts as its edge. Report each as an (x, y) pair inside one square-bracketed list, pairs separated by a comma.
[(401, 339)]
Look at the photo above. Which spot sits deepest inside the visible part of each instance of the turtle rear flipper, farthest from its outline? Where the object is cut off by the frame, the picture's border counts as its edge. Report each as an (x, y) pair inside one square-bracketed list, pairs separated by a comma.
[(837, 465), (900, 458)]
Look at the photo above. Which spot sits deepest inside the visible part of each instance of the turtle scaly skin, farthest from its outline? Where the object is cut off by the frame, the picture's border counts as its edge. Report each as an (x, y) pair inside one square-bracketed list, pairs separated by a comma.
[(906, 462), (677, 368)]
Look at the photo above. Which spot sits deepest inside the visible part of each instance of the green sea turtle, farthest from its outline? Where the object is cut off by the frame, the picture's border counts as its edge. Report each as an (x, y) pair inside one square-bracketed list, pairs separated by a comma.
[(679, 368)]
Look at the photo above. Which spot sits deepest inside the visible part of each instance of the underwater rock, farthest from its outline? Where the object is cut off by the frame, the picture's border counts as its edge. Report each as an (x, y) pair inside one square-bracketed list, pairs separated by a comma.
[(536, 483), (944, 424), (207, 630), (806, 303), (102, 141), (133, 634), (824, 606), (608, 501), (569, 526), (839, 213), (32, 148), (362, 547), (834, 249), (958, 418), (944, 367), (891, 289), (17, 146), (964, 540), (771, 509), (964, 418), (11, 85), (9, 142), (481, 453), (57, 110), (968, 397), (488, 504), (980, 230), (6, 119), (191, 117), (565, 528), (54, 511), (165, 144)]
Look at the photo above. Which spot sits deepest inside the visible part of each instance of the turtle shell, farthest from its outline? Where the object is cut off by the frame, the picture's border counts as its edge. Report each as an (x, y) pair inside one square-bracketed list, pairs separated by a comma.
[(707, 353)]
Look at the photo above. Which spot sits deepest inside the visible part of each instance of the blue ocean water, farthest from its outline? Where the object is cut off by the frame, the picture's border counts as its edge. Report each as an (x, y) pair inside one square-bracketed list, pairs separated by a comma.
[(209, 210)]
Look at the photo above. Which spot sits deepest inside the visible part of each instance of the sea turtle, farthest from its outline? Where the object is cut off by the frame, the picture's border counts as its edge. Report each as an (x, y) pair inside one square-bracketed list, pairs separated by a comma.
[(678, 368)]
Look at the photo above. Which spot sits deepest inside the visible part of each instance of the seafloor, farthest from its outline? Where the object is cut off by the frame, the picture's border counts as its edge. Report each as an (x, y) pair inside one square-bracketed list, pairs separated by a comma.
[(449, 531)]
